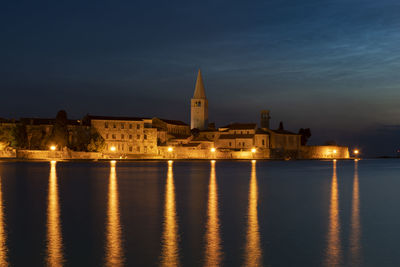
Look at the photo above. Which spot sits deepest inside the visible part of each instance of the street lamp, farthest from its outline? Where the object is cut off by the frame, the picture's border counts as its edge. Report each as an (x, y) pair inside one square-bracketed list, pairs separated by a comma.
[(213, 149), (112, 148), (53, 148), (253, 150), (170, 149)]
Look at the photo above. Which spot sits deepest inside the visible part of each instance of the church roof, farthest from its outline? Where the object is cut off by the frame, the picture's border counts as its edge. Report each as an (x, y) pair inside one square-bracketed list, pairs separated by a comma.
[(174, 122), (199, 92), (241, 126), (114, 118), (236, 136)]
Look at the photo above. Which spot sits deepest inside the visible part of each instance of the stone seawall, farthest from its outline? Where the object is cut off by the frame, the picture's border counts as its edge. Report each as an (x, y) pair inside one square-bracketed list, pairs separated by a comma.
[(324, 152), (8, 153), (45, 154)]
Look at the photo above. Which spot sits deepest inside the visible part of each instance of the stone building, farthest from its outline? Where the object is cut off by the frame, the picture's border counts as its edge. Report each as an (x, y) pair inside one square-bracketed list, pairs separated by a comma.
[(199, 106), (242, 136), (39, 130), (169, 130), (126, 135)]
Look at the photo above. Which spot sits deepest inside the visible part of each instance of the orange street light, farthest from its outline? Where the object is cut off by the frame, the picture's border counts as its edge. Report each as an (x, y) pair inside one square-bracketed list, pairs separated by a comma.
[(356, 151), (53, 147), (170, 149), (253, 150), (334, 151), (112, 148), (213, 149)]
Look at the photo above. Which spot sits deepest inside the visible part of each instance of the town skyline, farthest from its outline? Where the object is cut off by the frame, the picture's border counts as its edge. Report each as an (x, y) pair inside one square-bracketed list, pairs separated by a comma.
[(331, 67)]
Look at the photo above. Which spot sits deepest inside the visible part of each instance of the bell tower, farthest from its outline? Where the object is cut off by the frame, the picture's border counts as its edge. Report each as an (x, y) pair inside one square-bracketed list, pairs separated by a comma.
[(199, 106), (264, 121)]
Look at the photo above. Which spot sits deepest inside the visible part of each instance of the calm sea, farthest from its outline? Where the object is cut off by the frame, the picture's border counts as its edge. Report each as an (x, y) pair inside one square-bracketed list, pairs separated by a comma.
[(189, 213)]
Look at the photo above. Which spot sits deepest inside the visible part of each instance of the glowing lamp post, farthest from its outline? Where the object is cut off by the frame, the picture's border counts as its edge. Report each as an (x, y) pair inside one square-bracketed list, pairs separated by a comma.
[(53, 148), (356, 152), (170, 150), (213, 152), (253, 151), (112, 149), (334, 153)]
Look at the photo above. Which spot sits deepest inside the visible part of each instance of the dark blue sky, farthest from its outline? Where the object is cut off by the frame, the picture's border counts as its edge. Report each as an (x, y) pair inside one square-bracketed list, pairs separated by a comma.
[(333, 66)]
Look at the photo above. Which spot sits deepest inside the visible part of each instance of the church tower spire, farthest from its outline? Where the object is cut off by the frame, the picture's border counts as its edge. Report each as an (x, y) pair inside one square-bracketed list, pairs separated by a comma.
[(199, 92), (199, 106)]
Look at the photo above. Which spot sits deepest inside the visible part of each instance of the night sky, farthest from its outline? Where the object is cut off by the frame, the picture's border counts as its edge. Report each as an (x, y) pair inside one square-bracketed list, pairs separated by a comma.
[(332, 66)]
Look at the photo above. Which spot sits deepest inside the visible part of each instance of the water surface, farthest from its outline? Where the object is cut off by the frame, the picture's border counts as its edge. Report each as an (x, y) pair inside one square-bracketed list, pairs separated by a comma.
[(200, 213)]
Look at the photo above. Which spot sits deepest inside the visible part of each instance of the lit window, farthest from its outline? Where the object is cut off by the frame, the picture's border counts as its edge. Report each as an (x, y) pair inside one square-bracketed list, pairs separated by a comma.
[(138, 148), (106, 136), (145, 149), (130, 149), (122, 147)]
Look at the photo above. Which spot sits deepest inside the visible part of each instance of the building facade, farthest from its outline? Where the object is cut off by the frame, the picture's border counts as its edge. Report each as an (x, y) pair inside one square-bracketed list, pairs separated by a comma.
[(126, 135)]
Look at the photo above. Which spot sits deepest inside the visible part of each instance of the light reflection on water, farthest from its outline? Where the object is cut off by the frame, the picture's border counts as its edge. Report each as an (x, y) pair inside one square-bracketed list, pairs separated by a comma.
[(253, 256), (355, 227), (3, 237), (333, 253), (55, 255), (170, 248), (213, 250), (234, 218), (114, 251)]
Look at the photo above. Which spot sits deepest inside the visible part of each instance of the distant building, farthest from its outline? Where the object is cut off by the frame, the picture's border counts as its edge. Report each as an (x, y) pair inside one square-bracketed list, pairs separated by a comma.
[(126, 135), (168, 130), (242, 136), (199, 106)]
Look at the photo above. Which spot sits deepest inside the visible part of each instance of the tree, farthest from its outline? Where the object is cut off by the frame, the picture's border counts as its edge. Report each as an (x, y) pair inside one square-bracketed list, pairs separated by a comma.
[(20, 136), (305, 135), (96, 143), (59, 136), (280, 126)]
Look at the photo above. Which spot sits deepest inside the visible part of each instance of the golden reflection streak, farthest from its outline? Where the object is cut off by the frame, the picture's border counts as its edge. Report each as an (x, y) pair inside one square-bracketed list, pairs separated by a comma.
[(334, 249), (213, 240), (3, 237), (170, 249), (114, 253), (55, 255), (355, 227), (253, 255)]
